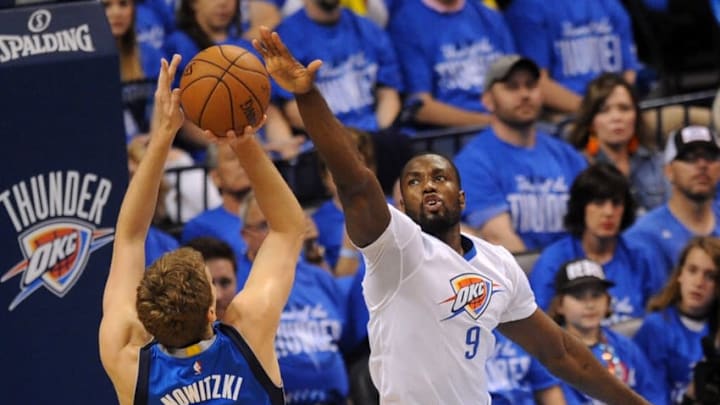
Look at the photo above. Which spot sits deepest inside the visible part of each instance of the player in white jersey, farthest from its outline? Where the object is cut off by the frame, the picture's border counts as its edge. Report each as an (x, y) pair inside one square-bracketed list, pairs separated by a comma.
[(434, 295)]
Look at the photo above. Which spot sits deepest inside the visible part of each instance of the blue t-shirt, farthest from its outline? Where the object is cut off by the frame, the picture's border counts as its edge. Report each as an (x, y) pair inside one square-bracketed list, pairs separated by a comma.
[(630, 366), (630, 270), (575, 40), (226, 372), (357, 58), (513, 375), (531, 184), (330, 223), (150, 29), (447, 54), (672, 349), (308, 338), (218, 223), (181, 43), (157, 244), (662, 237)]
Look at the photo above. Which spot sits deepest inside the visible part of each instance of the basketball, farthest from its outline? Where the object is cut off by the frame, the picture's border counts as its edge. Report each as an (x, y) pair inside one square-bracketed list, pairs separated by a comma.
[(224, 87)]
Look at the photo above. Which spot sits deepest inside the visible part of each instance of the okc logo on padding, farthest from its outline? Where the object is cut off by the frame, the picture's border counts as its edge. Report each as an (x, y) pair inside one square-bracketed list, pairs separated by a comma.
[(56, 253), (472, 295)]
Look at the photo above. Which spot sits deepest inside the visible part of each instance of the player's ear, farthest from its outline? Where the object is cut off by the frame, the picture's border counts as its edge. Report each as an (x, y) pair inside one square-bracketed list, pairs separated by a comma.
[(461, 200)]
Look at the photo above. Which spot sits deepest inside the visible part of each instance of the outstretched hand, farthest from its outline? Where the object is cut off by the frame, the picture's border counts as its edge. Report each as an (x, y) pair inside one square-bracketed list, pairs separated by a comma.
[(290, 74), (167, 116), (231, 138)]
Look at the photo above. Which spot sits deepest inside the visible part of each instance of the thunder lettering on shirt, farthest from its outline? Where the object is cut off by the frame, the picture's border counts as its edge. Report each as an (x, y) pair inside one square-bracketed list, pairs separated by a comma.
[(538, 205), (463, 66), (591, 48), (507, 368), (308, 330), (349, 84)]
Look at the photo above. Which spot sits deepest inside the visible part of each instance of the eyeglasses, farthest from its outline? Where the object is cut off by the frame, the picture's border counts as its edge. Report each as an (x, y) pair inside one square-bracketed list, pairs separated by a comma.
[(261, 226)]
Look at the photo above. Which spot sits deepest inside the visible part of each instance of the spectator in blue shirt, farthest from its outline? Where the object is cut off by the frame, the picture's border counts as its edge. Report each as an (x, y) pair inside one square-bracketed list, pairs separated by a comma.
[(692, 166), (599, 209), (516, 177), (678, 319), (609, 128), (580, 304)]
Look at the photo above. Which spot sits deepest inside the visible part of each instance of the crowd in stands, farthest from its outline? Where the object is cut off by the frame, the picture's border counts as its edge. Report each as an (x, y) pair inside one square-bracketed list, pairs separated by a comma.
[(617, 204)]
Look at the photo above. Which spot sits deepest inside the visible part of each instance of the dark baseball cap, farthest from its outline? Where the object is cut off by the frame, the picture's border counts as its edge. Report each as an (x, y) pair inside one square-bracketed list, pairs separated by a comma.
[(682, 139), (501, 68), (582, 272)]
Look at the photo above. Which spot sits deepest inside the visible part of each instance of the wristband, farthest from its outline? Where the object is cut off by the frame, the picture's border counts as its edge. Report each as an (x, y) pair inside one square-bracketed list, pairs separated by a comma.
[(349, 253)]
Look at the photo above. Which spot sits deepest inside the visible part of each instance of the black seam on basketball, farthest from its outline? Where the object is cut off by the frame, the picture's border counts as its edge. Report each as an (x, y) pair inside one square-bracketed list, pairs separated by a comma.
[(252, 93), (257, 72), (207, 100), (210, 96), (232, 62)]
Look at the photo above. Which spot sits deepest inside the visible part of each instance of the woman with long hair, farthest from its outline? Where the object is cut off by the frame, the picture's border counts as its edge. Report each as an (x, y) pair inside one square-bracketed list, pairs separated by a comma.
[(599, 209), (139, 67), (609, 128), (672, 332)]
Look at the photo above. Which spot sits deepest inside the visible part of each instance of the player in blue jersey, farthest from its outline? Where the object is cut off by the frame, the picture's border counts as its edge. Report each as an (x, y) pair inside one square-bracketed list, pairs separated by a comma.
[(434, 294), (159, 342), (670, 335)]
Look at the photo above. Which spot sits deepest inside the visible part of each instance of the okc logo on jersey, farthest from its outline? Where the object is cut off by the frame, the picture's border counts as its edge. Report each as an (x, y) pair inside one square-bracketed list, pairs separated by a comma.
[(472, 295), (55, 256)]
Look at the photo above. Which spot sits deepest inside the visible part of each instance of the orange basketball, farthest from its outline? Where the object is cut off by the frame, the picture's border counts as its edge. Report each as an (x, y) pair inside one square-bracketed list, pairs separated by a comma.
[(224, 87)]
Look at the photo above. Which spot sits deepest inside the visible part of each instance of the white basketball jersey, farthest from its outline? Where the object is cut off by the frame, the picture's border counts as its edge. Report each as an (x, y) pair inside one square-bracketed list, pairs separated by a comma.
[(432, 312)]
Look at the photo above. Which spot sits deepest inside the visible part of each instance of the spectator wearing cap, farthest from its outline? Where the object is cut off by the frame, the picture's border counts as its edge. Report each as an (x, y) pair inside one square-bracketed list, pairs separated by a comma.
[(445, 48), (679, 316), (516, 177), (580, 305), (692, 166), (599, 209)]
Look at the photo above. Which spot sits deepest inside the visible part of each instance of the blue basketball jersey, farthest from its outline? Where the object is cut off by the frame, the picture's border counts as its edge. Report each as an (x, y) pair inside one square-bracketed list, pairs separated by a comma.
[(226, 372)]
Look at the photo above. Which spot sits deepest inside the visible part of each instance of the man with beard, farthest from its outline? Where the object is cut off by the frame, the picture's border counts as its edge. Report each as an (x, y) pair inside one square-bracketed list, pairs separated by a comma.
[(517, 178), (434, 295), (222, 222), (692, 166)]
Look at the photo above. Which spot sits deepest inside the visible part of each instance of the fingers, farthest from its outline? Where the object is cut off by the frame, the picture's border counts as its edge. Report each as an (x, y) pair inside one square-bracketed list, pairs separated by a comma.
[(314, 66), (260, 124), (172, 69)]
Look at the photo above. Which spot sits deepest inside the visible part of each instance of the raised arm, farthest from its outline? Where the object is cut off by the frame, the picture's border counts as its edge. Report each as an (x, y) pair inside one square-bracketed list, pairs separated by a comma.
[(567, 357), (120, 327), (255, 311), (362, 198)]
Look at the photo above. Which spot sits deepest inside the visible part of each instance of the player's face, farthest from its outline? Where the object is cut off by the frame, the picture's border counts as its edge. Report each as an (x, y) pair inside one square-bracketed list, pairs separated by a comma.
[(224, 280), (517, 101), (120, 15), (614, 124), (431, 193), (697, 279), (603, 218), (230, 176), (695, 173), (214, 15), (584, 308)]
